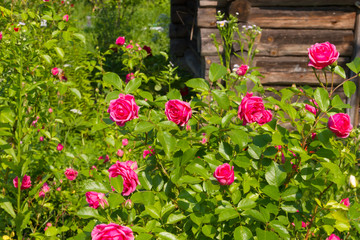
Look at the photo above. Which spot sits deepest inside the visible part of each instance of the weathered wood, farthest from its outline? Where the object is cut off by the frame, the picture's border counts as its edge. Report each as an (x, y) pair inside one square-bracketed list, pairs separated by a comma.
[(179, 31), (281, 42), (354, 101), (193, 62), (308, 18), (212, 3), (182, 15), (240, 9), (297, 3), (178, 2), (178, 47), (206, 17)]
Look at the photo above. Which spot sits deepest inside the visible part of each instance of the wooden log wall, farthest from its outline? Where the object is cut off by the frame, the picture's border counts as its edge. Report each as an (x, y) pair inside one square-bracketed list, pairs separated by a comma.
[(290, 27)]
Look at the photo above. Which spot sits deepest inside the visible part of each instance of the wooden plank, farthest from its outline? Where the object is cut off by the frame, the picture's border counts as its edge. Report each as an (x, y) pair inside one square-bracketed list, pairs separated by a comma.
[(297, 3), (354, 101), (181, 15), (178, 46), (304, 18), (285, 42), (179, 31), (206, 17), (212, 3)]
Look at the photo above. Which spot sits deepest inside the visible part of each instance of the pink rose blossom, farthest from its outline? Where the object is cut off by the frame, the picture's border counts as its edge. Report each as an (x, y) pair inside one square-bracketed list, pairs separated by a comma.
[(58, 189), (333, 237), (224, 174), (54, 71), (252, 110), (125, 142), (204, 140), (71, 174), (66, 17), (178, 112), (59, 147), (107, 159), (112, 231), (95, 199), (148, 152), (120, 153), (50, 110), (41, 194), (47, 226), (313, 135), (126, 171), (322, 55), (129, 77), (340, 124), (45, 188), (188, 127), (123, 109), (241, 71), (93, 167), (120, 41), (304, 225), (25, 183), (41, 139), (1, 35), (346, 202), (129, 46)]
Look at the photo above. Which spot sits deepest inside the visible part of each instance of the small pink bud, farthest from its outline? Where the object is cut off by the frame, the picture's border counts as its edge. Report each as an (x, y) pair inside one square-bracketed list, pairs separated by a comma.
[(66, 17), (54, 71), (59, 147), (41, 139), (120, 153), (50, 110), (125, 142)]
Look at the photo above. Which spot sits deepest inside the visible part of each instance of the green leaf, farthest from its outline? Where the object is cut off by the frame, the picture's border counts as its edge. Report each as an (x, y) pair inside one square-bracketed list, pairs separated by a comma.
[(254, 151), (167, 236), (256, 215), (153, 211), (145, 180), (221, 98), (174, 218), (51, 231), (198, 84), (227, 214), (354, 65), (239, 137), (340, 71), (144, 236), (337, 175), (272, 191), (88, 212), (94, 186), (7, 206), (133, 85), (265, 235), (337, 102), (216, 72), (246, 204), (242, 233), (111, 96), (280, 229), (143, 127), (225, 150), (275, 174), (59, 52), (196, 168), (47, 59), (117, 183), (113, 79), (209, 231), (80, 37), (168, 142), (349, 88), (146, 198), (291, 194), (321, 96), (115, 199), (186, 179), (76, 92), (174, 94)]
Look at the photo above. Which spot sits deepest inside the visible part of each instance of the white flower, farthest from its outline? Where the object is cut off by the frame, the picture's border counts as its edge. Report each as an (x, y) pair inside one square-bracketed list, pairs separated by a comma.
[(222, 23), (159, 29), (236, 66), (22, 23), (352, 181), (76, 111), (43, 23)]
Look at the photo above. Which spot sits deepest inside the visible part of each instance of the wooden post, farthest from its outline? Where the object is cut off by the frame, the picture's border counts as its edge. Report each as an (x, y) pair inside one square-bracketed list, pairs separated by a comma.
[(354, 100)]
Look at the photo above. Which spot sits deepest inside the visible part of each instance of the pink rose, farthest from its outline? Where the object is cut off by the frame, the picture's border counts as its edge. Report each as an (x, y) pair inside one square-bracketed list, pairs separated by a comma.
[(41, 194), (148, 152), (126, 171), (59, 147), (71, 174), (313, 135), (129, 46), (252, 109), (129, 77), (54, 71), (50, 110), (112, 231), (333, 237), (0, 35), (204, 140), (322, 55), (304, 224), (148, 50), (346, 202), (47, 226), (41, 139), (66, 17), (25, 183), (120, 41), (95, 198), (224, 174), (125, 142), (45, 188), (123, 109), (178, 112), (241, 71), (120, 153), (340, 124)]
